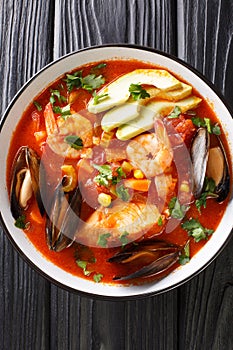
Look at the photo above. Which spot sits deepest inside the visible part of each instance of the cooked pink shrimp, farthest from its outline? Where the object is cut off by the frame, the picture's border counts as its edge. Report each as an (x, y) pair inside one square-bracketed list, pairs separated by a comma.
[(58, 130), (151, 152)]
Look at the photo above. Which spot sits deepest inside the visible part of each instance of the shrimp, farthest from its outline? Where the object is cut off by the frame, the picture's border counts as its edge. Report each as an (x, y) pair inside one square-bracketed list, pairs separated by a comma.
[(58, 129), (151, 152)]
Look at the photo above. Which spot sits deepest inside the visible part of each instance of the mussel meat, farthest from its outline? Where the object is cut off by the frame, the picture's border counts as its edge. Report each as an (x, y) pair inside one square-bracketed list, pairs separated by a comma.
[(63, 218), (211, 162), (26, 181), (147, 258)]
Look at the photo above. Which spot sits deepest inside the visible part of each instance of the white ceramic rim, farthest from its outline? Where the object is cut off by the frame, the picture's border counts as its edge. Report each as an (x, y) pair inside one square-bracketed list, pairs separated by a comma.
[(41, 80)]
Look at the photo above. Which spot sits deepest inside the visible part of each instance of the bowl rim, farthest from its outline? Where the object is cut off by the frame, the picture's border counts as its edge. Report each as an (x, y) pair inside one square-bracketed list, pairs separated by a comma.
[(41, 272)]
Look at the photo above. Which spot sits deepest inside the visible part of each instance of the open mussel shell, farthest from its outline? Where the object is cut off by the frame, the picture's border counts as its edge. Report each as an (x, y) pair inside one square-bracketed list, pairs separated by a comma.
[(199, 157), (218, 170), (63, 218), (26, 181), (148, 258), (210, 162)]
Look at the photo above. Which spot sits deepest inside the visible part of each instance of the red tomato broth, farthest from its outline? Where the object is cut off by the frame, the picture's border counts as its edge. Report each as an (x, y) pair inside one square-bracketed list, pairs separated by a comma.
[(33, 121)]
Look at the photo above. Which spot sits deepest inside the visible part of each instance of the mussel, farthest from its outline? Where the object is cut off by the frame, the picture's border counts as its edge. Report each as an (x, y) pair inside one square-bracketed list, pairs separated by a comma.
[(146, 258), (62, 218), (211, 162), (26, 181)]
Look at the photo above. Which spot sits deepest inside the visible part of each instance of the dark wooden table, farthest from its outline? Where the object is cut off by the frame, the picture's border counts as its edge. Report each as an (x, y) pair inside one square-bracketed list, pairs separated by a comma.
[(35, 314)]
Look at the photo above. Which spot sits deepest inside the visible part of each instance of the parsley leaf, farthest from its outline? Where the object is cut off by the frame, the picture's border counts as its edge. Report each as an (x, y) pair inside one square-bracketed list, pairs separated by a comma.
[(38, 106), (137, 92), (99, 98), (160, 221), (105, 174), (206, 123), (83, 265), (99, 66), (73, 80), (123, 193), (175, 113), (177, 211), (91, 82), (102, 239), (64, 111), (74, 141), (56, 95), (21, 222), (184, 258), (196, 230), (123, 238), (208, 191), (97, 277)]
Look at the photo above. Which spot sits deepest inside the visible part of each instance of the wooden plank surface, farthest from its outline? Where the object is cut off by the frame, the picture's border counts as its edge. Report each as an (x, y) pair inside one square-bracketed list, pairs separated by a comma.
[(197, 315)]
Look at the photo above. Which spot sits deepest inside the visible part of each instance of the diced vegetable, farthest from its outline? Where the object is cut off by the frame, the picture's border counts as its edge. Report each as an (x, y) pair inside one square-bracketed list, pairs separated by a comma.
[(138, 185)]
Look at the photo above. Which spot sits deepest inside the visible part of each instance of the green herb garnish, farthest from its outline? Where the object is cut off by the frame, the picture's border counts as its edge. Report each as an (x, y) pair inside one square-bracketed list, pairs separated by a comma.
[(74, 141), (91, 82), (177, 211), (208, 191), (160, 221), (206, 123), (97, 277), (99, 66), (73, 80), (123, 238), (56, 95), (123, 193), (184, 258), (99, 98), (175, 113), (102, 239), (83, 265), (137, 92), (38, 106), (20, 222), (105, 174), (63, 111), (196, 230)]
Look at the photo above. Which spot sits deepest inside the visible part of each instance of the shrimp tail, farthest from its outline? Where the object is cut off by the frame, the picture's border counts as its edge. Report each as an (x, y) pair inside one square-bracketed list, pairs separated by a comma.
[(50, 122)]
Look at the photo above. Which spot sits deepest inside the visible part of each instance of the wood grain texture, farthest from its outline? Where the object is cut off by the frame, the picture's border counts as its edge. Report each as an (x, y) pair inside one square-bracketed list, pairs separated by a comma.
[(25, 36), (197, 315)]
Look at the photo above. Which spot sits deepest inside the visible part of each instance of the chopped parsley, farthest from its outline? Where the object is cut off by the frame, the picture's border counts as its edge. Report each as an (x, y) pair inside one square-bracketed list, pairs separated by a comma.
[(99, 66), (99, 98), (208, 191), (90, 82), (175, 113), (123, 193), (137, 92), (64, 111), (105, 175), (160, 221), (184, 258), (74, 141), (56, 96), (196, 230), (206, 123), (83, 265), (102, 239), (97, 277), (21, 222), (123, 238), (38, 106), (177, 211)]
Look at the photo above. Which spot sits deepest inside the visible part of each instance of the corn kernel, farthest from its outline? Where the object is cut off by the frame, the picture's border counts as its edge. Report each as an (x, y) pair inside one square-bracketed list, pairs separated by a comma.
[(138, 174), (184, 187), (126, 167), (104, 199)]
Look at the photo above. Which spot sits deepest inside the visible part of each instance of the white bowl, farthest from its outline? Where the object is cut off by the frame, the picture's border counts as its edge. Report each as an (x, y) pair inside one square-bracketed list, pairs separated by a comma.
[(12, 115)]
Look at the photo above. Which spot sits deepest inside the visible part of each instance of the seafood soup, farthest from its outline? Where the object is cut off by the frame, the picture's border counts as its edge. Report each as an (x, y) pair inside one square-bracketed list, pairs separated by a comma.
[(115, 170)]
